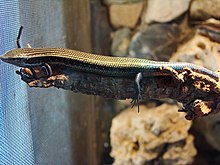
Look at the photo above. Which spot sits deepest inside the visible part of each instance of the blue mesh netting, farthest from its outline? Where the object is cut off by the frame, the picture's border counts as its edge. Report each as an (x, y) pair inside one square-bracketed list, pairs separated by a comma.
[(15, 130)]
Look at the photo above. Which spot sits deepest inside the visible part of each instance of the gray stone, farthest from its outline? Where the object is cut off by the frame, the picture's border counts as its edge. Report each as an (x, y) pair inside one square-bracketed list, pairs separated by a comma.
[(210, 28), (155, 42), (120, 42)]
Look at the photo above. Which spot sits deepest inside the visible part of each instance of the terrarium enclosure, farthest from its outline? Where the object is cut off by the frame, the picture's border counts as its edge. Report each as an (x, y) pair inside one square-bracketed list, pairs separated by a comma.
[(178, 122)]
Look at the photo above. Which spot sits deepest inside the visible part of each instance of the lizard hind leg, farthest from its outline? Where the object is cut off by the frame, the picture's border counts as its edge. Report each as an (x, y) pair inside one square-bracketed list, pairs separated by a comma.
[(137, 96)]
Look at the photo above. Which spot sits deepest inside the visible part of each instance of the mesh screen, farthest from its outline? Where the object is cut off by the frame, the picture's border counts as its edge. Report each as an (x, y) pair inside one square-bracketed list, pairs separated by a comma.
[(34, 123), (15, 135)]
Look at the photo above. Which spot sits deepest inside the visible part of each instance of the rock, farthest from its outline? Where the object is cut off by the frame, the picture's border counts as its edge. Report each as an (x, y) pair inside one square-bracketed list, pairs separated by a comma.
[(164, 10), (125, 15), (210, 28), (120, 42), (203, 9), (199, 50), (110, 2), (155, 42), (158, 134), (180, 152), (209, 127)]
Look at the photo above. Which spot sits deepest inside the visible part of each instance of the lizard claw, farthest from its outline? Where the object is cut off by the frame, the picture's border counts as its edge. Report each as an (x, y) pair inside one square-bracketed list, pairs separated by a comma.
[(136, 100)]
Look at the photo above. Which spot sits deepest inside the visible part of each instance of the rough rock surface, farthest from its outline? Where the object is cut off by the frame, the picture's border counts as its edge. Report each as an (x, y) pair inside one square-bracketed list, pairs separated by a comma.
[(125, 15), (165, 10), (204, 9), (158, 134), (199, 50)]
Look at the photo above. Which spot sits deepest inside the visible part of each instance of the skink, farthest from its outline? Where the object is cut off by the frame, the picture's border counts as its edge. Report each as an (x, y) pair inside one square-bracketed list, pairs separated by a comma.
[(97, 64)]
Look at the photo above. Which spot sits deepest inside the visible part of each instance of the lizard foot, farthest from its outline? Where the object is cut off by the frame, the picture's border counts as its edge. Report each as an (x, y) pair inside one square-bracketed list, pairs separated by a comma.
[(136, 98)]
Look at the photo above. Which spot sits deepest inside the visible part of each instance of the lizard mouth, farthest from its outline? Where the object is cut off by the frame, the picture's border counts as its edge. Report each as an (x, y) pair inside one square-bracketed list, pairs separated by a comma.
[(15, 61)]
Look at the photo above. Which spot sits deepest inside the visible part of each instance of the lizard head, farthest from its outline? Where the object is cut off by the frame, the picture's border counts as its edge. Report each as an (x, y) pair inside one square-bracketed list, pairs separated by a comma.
[(18, 57)]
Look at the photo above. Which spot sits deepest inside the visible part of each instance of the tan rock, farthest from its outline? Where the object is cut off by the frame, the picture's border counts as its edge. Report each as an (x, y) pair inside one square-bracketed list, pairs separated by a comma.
[(164, 10), (204, 9), (180, 151), (137, 138), (199, 50), (125, 15)]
